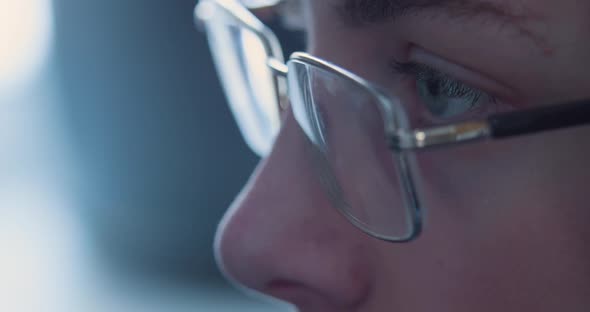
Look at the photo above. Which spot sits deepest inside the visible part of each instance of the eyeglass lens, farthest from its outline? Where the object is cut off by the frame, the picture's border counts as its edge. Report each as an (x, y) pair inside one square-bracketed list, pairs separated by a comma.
[(342, 120)]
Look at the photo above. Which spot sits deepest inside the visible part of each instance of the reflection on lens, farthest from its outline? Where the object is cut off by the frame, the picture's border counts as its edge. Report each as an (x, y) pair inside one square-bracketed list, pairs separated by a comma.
[(241, 58)]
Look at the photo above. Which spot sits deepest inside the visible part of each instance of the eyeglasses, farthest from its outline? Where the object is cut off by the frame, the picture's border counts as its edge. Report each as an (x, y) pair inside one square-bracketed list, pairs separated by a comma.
[(347, 119)]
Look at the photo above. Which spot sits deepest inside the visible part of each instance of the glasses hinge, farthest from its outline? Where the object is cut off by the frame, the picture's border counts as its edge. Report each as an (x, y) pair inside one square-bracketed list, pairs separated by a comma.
[(277, 66)]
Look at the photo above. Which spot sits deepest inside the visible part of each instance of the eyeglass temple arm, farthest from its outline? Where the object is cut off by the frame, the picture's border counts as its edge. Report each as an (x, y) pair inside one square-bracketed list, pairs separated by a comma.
[(498, 126), (540, 119)]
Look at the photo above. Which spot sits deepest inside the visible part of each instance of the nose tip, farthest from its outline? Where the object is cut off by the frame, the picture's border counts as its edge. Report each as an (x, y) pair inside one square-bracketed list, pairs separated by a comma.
[(238, 249), (282, 238)]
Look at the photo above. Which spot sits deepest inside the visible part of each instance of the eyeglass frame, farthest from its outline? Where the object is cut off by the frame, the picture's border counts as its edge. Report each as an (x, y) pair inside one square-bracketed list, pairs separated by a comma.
[(496, 126)]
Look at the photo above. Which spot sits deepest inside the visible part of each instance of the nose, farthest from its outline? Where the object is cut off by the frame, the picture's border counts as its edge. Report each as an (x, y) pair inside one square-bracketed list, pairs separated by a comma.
[(282, 238)]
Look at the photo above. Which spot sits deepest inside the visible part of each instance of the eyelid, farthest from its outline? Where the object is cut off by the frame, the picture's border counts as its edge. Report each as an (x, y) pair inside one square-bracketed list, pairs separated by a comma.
[(460, 73)]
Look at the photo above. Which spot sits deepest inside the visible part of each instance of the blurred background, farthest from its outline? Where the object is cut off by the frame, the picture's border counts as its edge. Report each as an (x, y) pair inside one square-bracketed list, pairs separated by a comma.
[(118, 158)]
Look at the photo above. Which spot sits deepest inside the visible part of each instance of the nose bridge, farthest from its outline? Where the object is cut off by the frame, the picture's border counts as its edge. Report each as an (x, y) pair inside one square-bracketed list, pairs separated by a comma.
[(274, 208)]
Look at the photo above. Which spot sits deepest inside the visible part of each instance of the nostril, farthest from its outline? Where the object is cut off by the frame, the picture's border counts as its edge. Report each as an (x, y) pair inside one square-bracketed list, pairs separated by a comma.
[(311, 297), (307, 269), (283, 289), (294, 293)]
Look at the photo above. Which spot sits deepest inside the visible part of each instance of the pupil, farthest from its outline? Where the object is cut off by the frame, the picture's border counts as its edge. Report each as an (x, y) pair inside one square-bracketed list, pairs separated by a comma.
[(433, 87)]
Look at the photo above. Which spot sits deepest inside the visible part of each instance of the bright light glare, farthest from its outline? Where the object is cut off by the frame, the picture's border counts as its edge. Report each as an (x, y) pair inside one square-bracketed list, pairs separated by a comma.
[(37, 243), (259, 3), (25, 33)]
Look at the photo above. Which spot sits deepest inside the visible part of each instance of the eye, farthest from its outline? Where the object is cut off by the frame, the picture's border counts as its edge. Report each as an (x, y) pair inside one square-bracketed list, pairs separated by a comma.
[(443, 96)]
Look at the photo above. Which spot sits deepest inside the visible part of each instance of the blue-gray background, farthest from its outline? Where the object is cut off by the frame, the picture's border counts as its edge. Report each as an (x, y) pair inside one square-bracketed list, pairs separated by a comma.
[(161, 155), (153, 156)]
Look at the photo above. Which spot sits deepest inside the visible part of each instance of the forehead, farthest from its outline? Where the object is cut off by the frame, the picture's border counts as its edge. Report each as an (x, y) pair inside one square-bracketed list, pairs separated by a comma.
[(527, 18)]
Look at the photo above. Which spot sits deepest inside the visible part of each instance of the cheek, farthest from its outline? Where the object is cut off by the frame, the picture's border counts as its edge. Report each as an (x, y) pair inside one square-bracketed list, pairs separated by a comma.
[(503, 217), (540, 177)]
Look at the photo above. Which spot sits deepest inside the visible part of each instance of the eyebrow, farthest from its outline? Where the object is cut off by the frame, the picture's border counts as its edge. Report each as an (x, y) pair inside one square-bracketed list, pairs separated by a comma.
[(376, 11), (367, 12)]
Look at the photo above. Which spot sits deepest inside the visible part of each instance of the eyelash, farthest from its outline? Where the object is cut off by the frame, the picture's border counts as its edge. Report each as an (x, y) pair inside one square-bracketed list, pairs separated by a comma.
[(450, 86)]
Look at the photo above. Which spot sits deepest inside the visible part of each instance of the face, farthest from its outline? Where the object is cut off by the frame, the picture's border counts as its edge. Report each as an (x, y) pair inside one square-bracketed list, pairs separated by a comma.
[(506, 225)]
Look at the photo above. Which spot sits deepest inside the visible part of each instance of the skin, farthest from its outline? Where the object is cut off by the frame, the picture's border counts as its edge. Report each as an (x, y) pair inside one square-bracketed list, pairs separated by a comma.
[(507, 222)]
